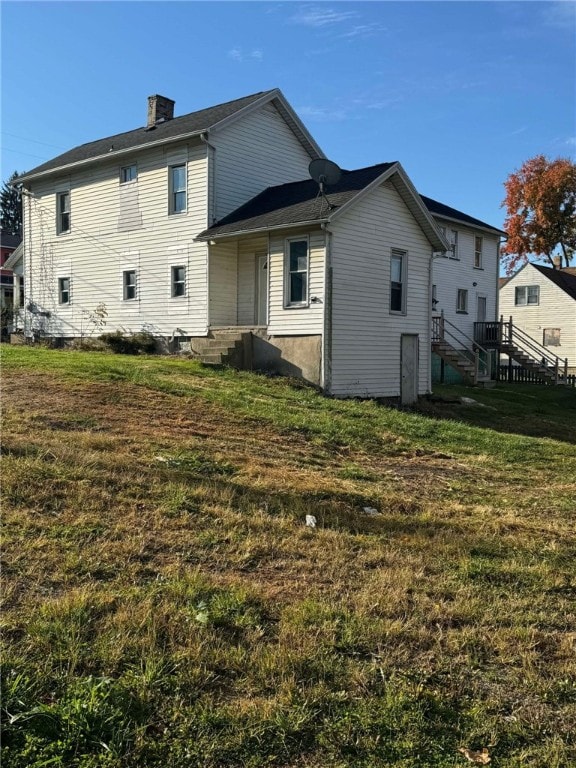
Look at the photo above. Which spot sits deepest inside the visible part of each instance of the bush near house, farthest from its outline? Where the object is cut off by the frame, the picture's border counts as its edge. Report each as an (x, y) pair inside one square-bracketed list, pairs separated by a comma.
[(166, 605)]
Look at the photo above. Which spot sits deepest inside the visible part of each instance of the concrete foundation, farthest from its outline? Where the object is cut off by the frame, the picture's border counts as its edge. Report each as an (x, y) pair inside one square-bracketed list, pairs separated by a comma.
[(298, 356)]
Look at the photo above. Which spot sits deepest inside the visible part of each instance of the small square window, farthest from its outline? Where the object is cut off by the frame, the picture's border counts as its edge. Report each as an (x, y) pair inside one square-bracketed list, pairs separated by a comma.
[(63, 212), (129, 284), (462, 300), (128, 173), (64, 290), (551, 337), (178, 281)]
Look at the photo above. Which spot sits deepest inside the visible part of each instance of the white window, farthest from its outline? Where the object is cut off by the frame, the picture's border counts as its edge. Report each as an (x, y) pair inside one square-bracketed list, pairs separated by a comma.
[(128, 173), (551, 337), (129, 284), (398, 281), (462, 300), (478, 243), (178, 281), (177, 185), (64, 290), (526, 294), (62, 212), (453, 240), (297, 261)]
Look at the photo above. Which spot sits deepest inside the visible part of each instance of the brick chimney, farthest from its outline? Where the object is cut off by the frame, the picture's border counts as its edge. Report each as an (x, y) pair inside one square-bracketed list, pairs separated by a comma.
[(159, 109)]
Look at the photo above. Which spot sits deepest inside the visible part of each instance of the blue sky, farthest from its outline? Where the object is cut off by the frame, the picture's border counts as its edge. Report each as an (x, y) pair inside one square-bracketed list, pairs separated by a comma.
[(461, 93)]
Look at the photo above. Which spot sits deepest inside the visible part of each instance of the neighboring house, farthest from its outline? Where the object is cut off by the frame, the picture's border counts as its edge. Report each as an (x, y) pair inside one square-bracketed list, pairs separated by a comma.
[(8, 244), (541, 301), (206, 231)]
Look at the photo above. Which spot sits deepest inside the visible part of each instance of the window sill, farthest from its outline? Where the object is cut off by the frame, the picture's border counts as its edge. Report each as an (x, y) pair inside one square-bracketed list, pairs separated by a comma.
[(461, 311), (177, 213), (297, 306), (480, 269)]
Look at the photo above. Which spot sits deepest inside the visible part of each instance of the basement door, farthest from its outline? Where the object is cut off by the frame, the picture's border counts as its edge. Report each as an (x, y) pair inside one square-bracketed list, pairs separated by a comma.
[(261, 289), (408, 368)]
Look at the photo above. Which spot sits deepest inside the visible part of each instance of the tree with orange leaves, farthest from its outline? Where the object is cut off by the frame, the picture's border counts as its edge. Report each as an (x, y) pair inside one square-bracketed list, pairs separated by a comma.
[(541, 213)]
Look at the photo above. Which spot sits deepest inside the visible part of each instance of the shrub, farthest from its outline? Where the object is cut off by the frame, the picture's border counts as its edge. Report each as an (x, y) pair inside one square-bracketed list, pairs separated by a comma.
[(141, 343)]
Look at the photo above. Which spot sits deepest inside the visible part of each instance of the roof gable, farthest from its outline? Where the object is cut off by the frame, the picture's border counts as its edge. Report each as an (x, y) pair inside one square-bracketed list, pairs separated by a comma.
[(563, 279), (178, 128)]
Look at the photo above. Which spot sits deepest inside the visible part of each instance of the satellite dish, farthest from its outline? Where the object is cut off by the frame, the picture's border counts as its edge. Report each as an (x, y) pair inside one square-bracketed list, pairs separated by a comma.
[(324, 172)]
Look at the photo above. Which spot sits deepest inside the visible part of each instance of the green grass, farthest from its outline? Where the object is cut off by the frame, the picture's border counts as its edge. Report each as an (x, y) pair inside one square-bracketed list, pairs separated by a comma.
[(166, 605)]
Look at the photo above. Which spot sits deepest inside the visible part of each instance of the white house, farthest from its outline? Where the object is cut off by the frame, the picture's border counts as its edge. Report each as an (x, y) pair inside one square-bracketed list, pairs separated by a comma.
[(541, 301), (206, 231)]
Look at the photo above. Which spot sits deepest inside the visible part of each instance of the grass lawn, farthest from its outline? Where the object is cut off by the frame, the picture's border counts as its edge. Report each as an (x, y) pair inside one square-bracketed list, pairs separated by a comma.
[(166, 606)]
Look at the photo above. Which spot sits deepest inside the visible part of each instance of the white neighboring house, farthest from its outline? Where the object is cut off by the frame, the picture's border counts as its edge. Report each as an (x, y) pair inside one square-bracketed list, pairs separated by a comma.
[(542, 303), (206, 231)]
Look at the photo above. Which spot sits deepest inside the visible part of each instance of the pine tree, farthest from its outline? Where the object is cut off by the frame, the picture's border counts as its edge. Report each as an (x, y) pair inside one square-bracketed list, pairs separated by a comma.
[(11, 207)]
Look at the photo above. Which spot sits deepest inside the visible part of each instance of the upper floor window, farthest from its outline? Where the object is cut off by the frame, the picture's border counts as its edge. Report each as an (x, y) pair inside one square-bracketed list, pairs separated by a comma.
[(462, 300), (129, 284), (297, 262), (453, 240), (478, 243), (128, 173), (63, 212), (398, 281), (63, 290), (177, 184), (178, 281), (526, 294)]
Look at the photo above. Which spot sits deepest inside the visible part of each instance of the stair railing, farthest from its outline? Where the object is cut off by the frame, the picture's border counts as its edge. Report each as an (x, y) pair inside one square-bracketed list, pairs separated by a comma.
[(463, 345), (515, 336)]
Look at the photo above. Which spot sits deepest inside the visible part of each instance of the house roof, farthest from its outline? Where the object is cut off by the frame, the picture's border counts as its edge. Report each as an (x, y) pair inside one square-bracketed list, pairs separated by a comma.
[(563, 278), (298, 202), (446, 212), (10, 241), (15, 257), (171, 130)]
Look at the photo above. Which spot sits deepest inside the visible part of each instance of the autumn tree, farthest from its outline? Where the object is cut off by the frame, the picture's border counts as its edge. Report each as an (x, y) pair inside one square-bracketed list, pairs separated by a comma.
[(11, 207), (541, 213)]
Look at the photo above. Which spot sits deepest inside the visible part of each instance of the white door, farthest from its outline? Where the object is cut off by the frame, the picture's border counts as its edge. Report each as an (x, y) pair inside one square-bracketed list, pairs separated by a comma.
[(409, 369), (480, 308), (262, 289)]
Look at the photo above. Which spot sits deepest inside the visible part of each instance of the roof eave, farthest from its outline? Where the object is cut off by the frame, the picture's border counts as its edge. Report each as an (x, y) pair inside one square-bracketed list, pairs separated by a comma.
[(462, 223), (108, 155), (257, 230)]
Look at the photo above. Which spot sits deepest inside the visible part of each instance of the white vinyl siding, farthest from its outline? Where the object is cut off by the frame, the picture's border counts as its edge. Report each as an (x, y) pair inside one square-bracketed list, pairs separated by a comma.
[(96, 248), (555, 310), (252, 154), (223, 284), (366, 337), (451, 274)]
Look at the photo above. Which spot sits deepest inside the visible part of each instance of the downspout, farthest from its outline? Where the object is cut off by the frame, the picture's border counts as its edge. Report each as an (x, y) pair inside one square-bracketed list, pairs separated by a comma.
[(326, 368)]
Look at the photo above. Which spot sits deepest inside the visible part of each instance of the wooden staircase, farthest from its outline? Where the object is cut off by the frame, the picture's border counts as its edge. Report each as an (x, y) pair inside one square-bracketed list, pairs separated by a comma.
[(512, 341), (460, 352)]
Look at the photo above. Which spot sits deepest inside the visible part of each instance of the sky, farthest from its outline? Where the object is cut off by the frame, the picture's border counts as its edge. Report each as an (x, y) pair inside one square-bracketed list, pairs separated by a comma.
[(461, 93)]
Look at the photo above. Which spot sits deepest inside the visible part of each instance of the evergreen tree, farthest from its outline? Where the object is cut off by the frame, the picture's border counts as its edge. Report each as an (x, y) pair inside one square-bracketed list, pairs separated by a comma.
[(11, 207)]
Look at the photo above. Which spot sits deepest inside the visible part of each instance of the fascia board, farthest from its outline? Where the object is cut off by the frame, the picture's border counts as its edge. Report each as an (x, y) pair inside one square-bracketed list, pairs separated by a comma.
[(258, 230), (14, 257), (467, 224), (118, 153)]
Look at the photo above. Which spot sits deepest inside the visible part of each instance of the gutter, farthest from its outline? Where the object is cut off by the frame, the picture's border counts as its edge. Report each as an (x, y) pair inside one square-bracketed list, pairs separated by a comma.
[(327, 336)]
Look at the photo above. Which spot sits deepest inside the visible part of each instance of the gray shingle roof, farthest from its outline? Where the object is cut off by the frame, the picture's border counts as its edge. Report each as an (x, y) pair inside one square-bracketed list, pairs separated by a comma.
[(560, 277), (290, 204), (439, 209), (195, 122)]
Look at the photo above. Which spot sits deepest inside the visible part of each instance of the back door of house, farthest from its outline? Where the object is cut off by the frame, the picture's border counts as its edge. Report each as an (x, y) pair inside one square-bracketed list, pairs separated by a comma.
[(409, 369)]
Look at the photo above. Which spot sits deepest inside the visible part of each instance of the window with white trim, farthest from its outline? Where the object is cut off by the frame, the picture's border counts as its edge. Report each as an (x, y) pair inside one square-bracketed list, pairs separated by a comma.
[(129, 284), (462, 300), (551, 337), (453, 240), (478, 245), (177, 186), (526, 295), (178, 281), (398, 281), (297, 264), (63, 290), (128, 173), (62, 212)]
